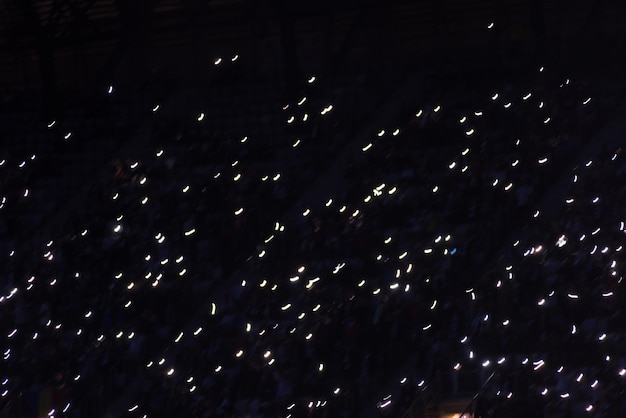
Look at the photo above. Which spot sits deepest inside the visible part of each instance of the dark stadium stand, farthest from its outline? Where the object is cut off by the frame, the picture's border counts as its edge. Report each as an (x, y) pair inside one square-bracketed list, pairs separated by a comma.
[(393, 239)]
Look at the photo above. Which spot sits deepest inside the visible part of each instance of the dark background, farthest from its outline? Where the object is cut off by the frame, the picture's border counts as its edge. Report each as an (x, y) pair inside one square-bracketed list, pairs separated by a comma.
[(71, 49)]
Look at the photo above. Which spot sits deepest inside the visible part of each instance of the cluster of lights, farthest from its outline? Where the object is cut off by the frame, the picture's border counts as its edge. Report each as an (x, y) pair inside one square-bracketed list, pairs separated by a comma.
[(285, 293)]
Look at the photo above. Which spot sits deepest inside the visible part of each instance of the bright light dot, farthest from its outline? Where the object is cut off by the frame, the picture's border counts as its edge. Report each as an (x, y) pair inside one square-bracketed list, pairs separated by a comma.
[(200, 117), (218, 61), (384, 404), (490, 25)]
